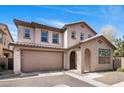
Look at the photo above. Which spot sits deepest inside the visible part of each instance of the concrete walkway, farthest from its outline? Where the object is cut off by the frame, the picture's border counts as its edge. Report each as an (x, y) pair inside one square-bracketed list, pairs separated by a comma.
[(88, 79), (108, 79), (115, 78), (56, 79)]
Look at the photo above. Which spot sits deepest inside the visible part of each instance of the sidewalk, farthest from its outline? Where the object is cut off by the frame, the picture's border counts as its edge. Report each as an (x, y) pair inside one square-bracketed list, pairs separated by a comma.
[(101, 79), (87, 79)]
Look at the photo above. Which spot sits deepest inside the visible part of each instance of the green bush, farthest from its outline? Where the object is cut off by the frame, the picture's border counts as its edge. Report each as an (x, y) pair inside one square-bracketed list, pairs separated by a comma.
[(120, 69)]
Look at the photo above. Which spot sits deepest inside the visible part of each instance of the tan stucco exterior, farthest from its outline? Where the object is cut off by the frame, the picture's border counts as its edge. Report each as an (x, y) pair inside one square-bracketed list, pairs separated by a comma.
[(122, 62), (85, 60), (35, 36), (94, 46), (7, 38), (68, 41)]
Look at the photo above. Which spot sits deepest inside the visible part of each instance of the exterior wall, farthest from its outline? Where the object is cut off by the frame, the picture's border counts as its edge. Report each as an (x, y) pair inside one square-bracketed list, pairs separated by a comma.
[(94, 46), (1, 50), (21, 34), (35, 36), (65, 61), (78, 59), (122, 62), (38, 38), (17, 60), (65, 35), (68, 42), (6, 40)]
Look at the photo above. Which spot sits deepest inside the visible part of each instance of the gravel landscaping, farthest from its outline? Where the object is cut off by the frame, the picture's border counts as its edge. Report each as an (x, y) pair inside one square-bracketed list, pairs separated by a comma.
[(111, 78)]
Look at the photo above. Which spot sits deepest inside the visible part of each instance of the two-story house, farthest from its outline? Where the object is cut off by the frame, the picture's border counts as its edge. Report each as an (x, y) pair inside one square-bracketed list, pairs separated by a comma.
[(6, 51), (75, 46)]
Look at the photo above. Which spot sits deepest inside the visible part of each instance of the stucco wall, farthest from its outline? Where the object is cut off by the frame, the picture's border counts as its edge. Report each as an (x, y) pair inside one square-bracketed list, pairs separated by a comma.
[(6, 40), (122, 62), (35, 36), (38, 38), (1, 50), (21, 34), (94, 46), (17, 60), (68, 42)]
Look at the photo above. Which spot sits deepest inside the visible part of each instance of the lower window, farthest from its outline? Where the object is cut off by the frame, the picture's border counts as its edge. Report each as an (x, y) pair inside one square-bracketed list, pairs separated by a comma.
[(104, 56)]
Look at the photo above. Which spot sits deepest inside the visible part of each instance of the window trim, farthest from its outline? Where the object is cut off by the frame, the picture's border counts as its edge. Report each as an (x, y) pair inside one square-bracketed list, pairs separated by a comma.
[(26, 33), (81, 36), (73, 34), (44, 36), (108, 58), (55, 38)]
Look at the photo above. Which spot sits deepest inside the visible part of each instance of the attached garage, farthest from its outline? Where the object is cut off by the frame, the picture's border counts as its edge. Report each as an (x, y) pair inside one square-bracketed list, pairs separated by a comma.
[(34, 60)]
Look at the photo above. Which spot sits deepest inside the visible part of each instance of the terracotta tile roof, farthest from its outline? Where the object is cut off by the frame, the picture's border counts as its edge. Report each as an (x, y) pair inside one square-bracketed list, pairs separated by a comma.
[(33, 45), (37, 25)]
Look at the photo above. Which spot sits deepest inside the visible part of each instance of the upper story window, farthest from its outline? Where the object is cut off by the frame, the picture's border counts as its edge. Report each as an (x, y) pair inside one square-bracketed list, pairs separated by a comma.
[(27, 33), (89, 35), (44, 36), (73, 35), (55, 38), (1, 37), (81, 36)]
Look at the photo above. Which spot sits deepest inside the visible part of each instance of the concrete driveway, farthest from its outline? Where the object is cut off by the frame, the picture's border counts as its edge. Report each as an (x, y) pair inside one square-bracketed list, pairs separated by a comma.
[(45, 80)]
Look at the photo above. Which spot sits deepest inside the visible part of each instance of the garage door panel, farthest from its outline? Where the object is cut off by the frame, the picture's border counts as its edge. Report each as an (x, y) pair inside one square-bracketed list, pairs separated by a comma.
[(41, 60)]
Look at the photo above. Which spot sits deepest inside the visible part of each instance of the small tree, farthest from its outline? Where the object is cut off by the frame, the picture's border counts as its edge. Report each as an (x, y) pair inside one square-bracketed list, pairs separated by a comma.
[(109, 32), (119, 43)]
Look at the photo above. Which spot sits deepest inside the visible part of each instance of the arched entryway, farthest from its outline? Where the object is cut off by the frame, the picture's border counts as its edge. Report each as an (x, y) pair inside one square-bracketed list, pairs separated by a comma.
[(73, 60), (87, 60)]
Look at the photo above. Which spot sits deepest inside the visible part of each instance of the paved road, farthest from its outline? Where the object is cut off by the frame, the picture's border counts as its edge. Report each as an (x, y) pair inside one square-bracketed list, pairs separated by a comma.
[(47, 81)]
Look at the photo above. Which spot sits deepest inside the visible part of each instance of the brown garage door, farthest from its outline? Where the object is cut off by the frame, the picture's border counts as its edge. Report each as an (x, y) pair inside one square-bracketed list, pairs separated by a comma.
[(40, 60)]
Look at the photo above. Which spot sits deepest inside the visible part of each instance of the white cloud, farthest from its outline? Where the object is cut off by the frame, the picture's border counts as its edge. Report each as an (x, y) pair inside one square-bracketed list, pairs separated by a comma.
[(74, 10), (57, 23), (50, 22), (81, 12)]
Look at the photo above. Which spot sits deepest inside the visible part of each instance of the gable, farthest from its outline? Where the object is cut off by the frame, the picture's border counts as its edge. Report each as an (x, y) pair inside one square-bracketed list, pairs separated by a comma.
[(82, 25), (6, 31), (99, 40)]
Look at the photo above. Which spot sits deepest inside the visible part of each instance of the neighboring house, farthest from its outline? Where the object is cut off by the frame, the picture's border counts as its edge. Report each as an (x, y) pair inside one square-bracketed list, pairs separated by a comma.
[(6, 51), (75, 46)]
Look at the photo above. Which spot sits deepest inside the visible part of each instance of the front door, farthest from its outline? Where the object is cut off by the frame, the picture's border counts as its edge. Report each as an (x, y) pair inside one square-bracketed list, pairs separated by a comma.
[(72, 60)]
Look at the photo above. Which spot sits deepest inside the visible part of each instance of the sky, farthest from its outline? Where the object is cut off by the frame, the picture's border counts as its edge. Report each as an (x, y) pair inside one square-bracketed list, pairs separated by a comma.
[(96, 16)]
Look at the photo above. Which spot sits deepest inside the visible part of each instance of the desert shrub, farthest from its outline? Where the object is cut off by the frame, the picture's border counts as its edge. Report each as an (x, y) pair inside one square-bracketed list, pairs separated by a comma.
[(120, 69)]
